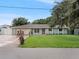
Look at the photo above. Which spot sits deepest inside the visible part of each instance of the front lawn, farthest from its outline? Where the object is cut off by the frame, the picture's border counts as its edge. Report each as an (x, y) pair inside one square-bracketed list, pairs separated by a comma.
[(52, 41)]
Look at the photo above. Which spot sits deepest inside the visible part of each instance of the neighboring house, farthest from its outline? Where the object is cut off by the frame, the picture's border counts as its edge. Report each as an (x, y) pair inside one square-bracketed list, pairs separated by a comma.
[(5, 30), (60, 30), (76, 30), (39, 29)]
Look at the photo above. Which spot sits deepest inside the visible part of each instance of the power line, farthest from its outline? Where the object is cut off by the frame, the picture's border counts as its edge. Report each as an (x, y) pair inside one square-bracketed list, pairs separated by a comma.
[(24, 8)]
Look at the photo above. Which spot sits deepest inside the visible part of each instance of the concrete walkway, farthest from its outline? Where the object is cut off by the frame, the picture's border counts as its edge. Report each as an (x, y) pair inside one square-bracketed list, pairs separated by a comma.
[(18, 53)]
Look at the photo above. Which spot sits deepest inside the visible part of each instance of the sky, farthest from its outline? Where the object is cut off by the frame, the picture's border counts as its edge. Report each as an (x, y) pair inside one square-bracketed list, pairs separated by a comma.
[(8, 14)]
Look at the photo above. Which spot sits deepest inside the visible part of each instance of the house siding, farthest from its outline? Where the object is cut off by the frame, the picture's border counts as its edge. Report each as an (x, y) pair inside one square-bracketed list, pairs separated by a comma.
[(76, 31), (13, 31), (56, 31), (46, 31), (40, 32), (64, 31), (26, 31), (6, 31), (35, 33)]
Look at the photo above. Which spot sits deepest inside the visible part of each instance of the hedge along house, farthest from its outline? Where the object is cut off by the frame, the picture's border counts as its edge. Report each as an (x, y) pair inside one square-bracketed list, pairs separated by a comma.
[(39, 29)]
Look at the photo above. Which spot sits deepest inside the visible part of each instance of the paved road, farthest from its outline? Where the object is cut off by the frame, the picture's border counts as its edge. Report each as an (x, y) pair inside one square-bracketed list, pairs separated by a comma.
[(8, 40), (18, 53)]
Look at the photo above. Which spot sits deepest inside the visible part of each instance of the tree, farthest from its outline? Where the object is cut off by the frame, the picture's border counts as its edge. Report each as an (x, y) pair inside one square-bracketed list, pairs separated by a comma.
[(19, 21), (59, 14), (69, 11), (43, 21), (40, 21)]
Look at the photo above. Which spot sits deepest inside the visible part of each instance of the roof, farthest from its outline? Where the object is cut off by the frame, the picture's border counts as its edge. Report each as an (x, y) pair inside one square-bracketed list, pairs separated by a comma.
[(5, 26), (33, 26)]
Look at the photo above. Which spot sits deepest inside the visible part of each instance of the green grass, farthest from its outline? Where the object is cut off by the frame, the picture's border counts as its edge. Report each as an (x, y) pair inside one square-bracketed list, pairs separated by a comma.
[(52, 41)]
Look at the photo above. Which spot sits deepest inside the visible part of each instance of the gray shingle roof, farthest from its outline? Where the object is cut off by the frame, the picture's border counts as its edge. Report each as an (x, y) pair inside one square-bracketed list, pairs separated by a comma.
[(33, 26)]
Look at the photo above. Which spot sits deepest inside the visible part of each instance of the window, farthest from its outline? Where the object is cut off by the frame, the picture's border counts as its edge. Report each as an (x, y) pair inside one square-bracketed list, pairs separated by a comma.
[(50, 29), (78, 33), (32, 31), (36, 30), (43, 31), (60, 29), (0, 30)]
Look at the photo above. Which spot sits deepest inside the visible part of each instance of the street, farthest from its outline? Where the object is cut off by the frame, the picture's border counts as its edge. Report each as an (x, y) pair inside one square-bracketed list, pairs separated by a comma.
[(39, 53)]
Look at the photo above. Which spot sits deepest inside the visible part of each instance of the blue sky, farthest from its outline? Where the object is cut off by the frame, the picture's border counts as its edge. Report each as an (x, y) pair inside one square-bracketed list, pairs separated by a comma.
[(8, 14)]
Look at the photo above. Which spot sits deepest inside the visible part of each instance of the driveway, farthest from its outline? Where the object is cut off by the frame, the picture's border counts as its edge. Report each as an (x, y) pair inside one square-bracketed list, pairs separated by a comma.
[(8, 40)]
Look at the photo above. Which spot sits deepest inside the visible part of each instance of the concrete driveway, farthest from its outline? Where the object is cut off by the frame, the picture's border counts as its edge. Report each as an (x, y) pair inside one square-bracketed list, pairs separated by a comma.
[(8, 40)]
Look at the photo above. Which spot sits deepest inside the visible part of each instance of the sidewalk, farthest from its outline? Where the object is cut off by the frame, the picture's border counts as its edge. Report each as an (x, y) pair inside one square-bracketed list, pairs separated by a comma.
[(18, 53)]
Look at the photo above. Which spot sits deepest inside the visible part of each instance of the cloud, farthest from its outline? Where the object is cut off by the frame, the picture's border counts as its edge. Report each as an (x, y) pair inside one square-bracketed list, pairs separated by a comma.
[(6, 18), (46, 1), (49, 1)]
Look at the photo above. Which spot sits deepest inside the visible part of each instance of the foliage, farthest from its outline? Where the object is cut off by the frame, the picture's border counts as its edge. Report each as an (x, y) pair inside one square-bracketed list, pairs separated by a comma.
[(20, 21), (52, 41), (58, 13), (68, 11), (42, 21)]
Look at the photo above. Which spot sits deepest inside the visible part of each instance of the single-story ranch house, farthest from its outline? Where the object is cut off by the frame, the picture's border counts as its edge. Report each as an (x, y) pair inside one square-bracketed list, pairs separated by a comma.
[(36, 29), (39, 29)]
